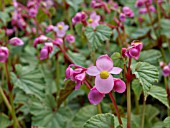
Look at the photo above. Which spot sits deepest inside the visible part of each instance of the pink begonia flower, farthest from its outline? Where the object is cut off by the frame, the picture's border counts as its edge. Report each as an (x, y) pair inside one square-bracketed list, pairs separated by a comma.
[(3, 54), (58, 41), (104, 68), (152, 8), (9, 32), (139, 3), (46, 50), (78, 74), (15, 41), (70, 38), (39, 40), (143, 11), (94, 19), (119, 85), (94, 96), (122, 17), (166, 71), (134, 50), (49, 28), (128, 12), (61, 29)]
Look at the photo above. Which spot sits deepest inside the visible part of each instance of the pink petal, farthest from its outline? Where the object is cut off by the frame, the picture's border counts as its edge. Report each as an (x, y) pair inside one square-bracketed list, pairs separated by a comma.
[(104, 63), (95, 96), (80, 77), (65, 28), (115, 70), (119, 86), (93, 71), (104, 85), (78, 85)]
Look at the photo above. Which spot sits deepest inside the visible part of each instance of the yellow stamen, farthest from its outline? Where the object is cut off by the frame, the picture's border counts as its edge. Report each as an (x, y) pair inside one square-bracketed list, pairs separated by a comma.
[(90, 20), (60, 27), (104, 74)]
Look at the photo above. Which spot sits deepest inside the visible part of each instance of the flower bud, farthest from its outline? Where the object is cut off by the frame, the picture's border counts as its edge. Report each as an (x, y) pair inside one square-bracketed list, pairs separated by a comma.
[(122, 17), (3, 54), (58, 41), (70, 38), (39, 40), (128, 12), (119, 85), (123, 52), (49, 28), (166, 71), (46, 50), (15, 41)]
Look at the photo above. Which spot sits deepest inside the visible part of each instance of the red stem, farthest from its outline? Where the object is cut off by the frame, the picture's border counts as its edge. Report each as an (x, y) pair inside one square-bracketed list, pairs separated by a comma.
[(116, 108)]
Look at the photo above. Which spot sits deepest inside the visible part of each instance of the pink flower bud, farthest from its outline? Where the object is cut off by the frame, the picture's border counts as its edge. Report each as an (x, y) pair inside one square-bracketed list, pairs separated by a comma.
[(58, 41), (9, 32), (95, 97), (77, 18), (15, 41), (128, 12), (46, 50), (139, 3), (152, 8), (123, 52), (119, 85), (49, 28), (70, 38), (3, 54), (32, 12), (122, 17), (143, 11), (39, 40), (166, 71), (161, 64)]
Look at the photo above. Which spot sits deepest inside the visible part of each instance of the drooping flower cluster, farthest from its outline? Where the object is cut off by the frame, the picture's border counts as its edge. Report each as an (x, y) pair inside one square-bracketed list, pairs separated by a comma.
[(77, 74), (126, 12), (133, 51), (104, 81), (79, 17), (33, 6)]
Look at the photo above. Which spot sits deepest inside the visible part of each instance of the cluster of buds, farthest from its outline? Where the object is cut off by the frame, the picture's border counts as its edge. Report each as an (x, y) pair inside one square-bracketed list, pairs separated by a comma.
[(4, 52), (165, 69), (104, 81), (33, 6), (126, 12), (79, 17), (147, 6), (77, 74), (133, 51)]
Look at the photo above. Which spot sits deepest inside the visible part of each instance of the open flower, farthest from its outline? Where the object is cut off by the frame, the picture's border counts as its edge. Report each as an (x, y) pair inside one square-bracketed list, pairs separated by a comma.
[(134, 50), (15, 41), (78, 74), (61, 29), (3, 54), (104, 81), (94, 19)]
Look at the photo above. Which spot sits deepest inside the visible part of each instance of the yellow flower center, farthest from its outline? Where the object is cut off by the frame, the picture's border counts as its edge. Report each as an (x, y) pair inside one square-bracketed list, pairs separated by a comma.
[(90, 20), (60, 27), (104, 74)]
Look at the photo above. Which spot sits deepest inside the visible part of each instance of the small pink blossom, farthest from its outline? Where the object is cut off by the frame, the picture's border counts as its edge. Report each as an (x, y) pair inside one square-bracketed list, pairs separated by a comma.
[(39, 40), (94, 96), (119, 85), (15, 41), (49, 28), (58, 41), (152, 9), (94, 19), (70, 38), (128, 12), (134, 50), (4, 53), (122, 17), (79, 17), (166, 70), (46, 50), (143, 11), (78, 74), (104, 81), (9, 32), (61, 29), (139, 3)]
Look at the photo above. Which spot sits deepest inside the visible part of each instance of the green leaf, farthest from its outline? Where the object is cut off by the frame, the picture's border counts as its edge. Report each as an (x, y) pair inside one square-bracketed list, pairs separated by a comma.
[(77, 58), (64, 93), (97, 36), (151, 56), (41, 16), (4, 121), (167, 122), (29, 79), (74, 3), (83, 115), (160, 94), (100, 121), (165, 27), (2, 33), (147, 75), (137, 88), (45, 114), (117, 59)]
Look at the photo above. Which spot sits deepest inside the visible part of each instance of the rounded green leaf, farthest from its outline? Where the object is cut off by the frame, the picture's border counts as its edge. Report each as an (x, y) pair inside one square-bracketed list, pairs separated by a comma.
[(167, 122)]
